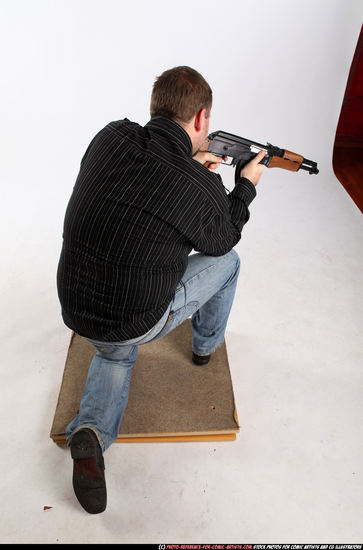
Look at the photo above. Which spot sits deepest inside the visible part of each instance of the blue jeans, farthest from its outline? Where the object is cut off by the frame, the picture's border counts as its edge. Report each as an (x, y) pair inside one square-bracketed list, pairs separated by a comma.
[(206, 293)]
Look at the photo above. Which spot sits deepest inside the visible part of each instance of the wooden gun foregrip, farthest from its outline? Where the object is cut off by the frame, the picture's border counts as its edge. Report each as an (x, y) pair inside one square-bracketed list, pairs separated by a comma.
[(290, 161)]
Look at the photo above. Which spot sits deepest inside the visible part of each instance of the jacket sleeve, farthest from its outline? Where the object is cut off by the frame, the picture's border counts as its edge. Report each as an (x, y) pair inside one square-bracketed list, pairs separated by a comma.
[(219, 231)]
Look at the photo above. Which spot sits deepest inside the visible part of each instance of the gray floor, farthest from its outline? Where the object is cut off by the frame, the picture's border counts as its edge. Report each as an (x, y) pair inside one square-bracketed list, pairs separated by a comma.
[(293, 475)]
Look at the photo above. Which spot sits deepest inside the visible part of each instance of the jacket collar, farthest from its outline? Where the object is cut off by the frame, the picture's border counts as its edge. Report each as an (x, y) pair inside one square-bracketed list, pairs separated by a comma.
[(173, 131)]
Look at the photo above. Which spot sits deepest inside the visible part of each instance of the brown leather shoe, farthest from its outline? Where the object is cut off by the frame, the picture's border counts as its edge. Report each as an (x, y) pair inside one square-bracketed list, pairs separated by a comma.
[(89, 482)]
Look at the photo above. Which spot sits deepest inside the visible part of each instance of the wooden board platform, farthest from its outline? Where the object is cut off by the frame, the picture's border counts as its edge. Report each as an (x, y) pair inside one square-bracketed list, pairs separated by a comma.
[(170, 398)]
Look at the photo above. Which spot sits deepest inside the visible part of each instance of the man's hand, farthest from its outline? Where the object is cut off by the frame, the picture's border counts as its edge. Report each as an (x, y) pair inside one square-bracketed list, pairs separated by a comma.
[(208, 160), (253, 171)]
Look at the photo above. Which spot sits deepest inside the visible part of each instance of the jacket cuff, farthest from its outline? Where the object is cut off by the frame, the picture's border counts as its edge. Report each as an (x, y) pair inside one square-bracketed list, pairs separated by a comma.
[(245, 190)]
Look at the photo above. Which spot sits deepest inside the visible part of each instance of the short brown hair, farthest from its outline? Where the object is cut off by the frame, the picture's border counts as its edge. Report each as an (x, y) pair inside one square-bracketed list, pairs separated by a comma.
[(179, 94)]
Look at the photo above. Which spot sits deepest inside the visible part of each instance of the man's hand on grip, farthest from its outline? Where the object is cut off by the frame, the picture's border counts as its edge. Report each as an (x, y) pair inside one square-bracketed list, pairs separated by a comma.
[(253, 170)]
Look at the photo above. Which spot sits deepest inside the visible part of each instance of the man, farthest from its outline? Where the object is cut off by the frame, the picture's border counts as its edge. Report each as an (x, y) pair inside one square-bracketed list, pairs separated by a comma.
[(145, 197)]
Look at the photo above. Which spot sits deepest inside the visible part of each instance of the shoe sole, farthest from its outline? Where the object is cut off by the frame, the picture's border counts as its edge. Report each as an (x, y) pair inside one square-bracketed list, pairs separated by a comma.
[(83, 448), (88, 478)]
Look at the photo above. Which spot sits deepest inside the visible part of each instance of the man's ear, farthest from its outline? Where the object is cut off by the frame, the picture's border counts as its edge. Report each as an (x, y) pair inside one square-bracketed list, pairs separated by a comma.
[(198, 120)]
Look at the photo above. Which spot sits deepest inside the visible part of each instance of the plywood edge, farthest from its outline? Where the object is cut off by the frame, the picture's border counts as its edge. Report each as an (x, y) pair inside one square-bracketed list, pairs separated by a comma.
[(235, 416), (163, 438), (73, 334), (175, 438)]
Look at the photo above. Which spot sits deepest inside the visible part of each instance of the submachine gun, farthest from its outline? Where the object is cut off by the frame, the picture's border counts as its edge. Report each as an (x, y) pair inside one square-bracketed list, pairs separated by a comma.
[(242, 150)]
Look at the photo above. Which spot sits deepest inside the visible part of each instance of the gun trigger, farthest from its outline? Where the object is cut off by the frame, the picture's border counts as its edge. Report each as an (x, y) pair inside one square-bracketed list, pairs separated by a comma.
[(232, 163)]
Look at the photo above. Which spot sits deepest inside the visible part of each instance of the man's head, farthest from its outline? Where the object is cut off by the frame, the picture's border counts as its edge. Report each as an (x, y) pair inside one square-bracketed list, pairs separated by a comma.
[(183, 95)]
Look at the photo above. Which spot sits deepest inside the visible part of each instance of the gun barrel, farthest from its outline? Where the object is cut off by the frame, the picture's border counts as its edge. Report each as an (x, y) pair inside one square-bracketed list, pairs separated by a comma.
[(310, 166)]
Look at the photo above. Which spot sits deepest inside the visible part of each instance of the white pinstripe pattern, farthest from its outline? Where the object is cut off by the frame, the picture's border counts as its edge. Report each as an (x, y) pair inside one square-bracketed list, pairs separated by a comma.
[(140, 204)]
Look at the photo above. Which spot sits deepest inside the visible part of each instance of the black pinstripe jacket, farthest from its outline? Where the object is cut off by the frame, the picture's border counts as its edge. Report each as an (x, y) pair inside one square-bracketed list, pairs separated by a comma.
[(140, 204)]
